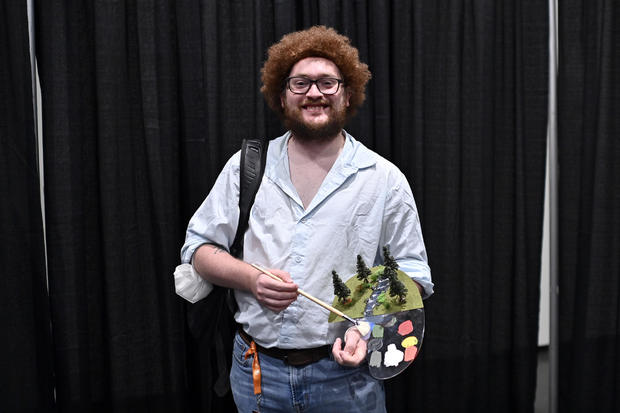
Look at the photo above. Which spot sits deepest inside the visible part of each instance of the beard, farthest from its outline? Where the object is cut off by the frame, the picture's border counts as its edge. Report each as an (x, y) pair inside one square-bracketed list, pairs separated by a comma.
[(304, 131)]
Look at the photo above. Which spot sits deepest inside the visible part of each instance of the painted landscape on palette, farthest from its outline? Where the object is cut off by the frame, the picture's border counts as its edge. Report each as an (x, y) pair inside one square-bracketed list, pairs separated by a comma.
[(390, 301)]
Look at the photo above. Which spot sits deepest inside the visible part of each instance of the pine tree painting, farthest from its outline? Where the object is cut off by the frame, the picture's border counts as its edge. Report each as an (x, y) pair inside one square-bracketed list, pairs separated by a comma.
[(382, 289), (340, 289), (363, 272), (390, 264), (398, 289)]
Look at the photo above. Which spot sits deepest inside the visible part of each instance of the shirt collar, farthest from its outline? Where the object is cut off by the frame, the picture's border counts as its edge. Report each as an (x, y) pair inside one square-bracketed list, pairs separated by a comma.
[(354, 154)]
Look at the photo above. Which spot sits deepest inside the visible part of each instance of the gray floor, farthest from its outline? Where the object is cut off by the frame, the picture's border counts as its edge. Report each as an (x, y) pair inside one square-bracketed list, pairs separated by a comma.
[(541, 404)]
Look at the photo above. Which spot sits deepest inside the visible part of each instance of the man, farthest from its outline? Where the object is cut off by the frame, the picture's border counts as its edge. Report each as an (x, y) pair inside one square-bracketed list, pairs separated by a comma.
[(324, 199)]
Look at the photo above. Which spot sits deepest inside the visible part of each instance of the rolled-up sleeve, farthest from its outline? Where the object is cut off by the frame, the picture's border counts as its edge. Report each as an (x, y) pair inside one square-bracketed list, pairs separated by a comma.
[(402, 232), (215, 221)]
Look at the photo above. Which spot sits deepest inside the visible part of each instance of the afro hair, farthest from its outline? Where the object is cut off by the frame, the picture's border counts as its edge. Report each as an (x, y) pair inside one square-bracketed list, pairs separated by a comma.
[(317, 41)]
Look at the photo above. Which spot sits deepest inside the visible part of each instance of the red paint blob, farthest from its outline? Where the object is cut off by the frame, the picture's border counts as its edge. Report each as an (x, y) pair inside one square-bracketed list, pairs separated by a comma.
[(405, 328), (410, 353)]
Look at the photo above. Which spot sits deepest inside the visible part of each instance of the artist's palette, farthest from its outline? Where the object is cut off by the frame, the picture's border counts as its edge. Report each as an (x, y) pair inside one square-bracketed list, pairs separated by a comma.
[(397, 328), (395, 341)]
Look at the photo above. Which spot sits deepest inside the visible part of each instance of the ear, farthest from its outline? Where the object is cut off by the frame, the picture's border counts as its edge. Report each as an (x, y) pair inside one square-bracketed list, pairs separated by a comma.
[(348, 98), (283, 99)]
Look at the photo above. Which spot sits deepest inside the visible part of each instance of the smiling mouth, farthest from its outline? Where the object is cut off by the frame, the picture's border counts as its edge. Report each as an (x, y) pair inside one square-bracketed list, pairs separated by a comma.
[(314, 108)]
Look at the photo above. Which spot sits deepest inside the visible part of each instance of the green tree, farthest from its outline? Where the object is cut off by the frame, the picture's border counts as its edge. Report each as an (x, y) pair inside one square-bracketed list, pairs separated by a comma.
[(390, 265), (340, 289), (388, 259), (363, 272), (398, 289)]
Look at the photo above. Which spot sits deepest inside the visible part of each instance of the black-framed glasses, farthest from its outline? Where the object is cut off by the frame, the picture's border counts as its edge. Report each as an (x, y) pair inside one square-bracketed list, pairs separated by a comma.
[(301, 84)]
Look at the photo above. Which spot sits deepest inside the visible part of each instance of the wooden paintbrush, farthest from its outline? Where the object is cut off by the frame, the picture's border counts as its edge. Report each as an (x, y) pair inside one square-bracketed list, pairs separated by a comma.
[(362, 326)]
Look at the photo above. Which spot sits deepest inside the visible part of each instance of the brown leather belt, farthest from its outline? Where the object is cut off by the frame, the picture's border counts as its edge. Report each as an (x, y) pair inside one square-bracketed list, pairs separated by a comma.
[(293, 357)]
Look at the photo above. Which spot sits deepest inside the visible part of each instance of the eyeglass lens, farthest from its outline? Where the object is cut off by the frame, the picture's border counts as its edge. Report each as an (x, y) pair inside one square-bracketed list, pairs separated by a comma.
[(326, 85)]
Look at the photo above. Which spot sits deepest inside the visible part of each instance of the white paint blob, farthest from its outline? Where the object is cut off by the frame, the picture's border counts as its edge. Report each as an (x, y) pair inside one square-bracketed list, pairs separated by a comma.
[(393, 356)]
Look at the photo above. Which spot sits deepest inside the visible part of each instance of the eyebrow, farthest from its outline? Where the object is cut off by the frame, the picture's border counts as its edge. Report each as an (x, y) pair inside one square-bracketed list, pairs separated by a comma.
[(334, 76)]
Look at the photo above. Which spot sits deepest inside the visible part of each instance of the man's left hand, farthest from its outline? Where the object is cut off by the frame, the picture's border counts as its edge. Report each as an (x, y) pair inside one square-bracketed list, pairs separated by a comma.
[(354, 351)]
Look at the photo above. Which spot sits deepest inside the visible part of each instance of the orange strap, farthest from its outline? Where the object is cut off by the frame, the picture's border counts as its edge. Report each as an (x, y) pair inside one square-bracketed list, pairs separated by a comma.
[(255, 367)]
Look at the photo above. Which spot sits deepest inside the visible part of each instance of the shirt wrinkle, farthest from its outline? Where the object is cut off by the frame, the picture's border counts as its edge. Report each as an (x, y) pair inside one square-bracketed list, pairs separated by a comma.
[(353, 213)]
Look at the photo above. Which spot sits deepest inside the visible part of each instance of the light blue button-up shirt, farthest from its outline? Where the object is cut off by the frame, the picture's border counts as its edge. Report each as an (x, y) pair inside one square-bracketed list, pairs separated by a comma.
[(363, 204)]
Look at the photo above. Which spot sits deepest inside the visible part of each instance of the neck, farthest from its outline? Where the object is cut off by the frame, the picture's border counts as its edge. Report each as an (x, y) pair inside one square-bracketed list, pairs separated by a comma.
[(320, 147), (310, 161)]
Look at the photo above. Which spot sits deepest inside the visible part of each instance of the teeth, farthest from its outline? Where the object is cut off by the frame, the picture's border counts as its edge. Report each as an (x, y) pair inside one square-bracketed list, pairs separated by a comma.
[(314, 108)]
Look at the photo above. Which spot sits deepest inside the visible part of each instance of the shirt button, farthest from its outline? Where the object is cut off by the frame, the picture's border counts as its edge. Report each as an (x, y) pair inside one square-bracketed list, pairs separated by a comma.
[(298, 260)]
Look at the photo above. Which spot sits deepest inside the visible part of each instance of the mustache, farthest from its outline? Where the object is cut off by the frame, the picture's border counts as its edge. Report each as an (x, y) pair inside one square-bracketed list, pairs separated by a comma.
[(319, 101)]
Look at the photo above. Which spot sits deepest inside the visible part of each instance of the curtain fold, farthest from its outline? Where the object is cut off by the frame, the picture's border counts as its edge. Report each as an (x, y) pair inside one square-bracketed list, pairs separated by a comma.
[(26, 378), (143, 102), (111, 125), (589, 206), (474, 148)]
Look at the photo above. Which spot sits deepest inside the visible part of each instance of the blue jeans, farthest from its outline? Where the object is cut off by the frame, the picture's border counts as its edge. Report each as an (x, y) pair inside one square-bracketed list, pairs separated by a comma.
[(321, 387)]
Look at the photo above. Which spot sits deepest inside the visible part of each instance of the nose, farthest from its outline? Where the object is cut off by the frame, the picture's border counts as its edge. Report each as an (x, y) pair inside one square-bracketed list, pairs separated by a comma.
[(314, 91)]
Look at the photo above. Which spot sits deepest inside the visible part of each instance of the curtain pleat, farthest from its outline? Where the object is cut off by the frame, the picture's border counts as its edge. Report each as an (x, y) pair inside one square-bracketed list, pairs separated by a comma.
[(589, 206), (474, 149), (111, 126), (26, 375)]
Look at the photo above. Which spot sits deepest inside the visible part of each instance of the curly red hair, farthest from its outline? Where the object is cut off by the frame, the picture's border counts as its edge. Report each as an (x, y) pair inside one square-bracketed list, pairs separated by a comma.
[(317, 41)]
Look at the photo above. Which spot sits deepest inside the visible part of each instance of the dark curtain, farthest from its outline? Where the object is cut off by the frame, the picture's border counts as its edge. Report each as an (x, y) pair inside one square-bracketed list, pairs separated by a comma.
[(26, 382), (112, 128), (589, 205), (461, 106), (143, 102)]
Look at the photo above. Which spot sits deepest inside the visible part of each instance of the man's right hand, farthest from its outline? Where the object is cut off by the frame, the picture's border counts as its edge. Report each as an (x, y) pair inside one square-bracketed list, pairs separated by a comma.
[(273, 294), (217, 266)]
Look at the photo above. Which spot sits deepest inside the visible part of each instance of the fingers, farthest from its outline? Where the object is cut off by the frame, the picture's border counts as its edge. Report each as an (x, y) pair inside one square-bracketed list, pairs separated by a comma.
[(283, 275), (273, 294), (353, 353), (337, 351)]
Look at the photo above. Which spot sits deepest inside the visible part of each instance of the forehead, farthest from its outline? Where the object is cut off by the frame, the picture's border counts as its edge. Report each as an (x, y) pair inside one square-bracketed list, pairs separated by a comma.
[(314, 67)]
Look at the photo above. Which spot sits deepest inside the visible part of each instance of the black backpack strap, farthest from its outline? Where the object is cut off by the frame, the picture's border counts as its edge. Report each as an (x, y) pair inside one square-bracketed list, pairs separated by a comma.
[(211, 319), (253, 158)]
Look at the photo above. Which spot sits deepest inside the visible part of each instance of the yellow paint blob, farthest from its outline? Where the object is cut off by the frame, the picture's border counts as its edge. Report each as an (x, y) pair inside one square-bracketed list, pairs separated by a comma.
[(410, 341)]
